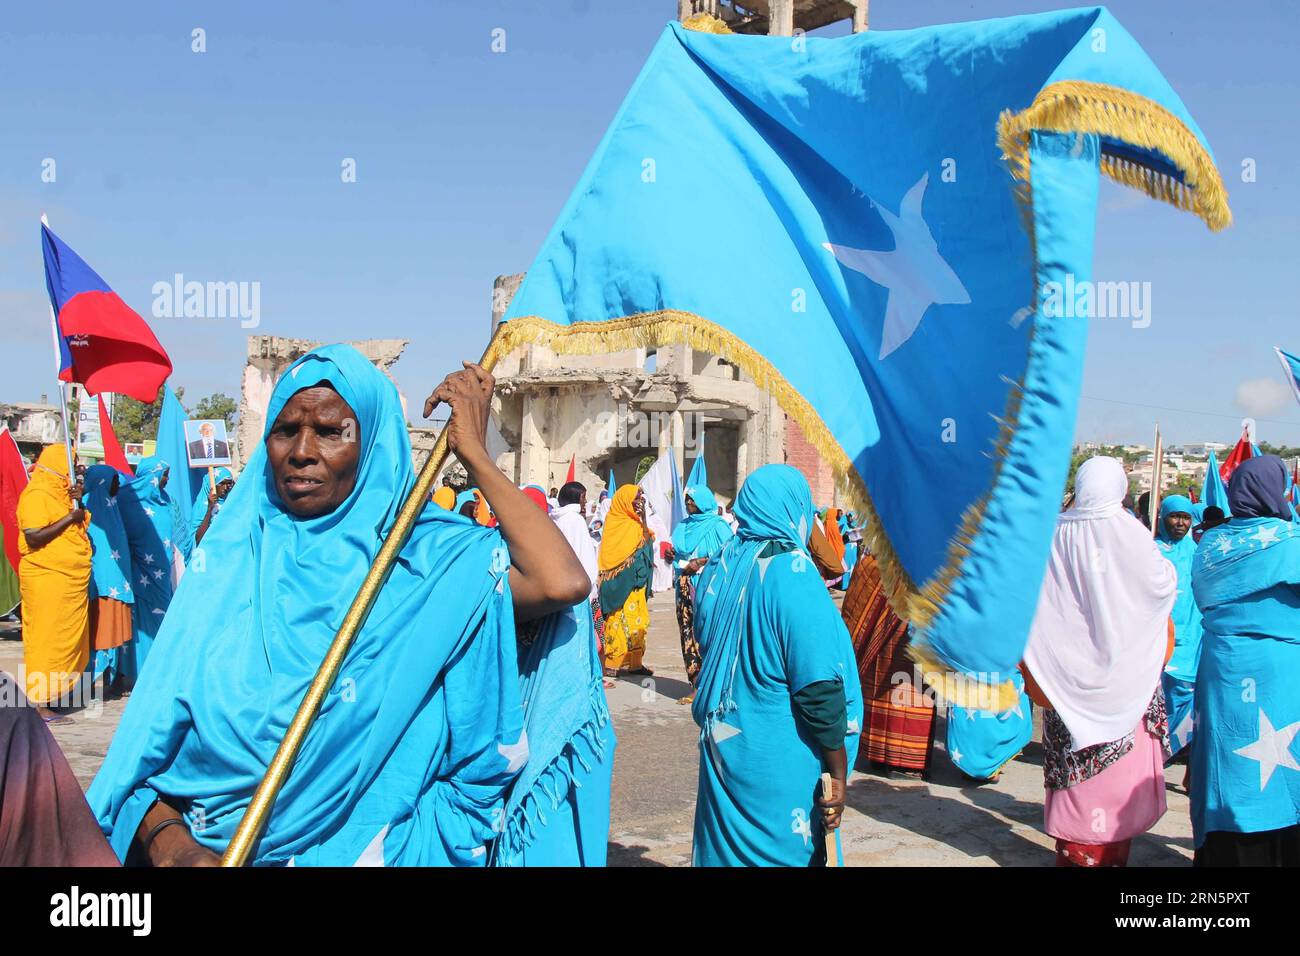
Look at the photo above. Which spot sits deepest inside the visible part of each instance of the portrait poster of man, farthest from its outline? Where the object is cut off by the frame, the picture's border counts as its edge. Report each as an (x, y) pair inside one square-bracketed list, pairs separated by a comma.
[(206, 444)]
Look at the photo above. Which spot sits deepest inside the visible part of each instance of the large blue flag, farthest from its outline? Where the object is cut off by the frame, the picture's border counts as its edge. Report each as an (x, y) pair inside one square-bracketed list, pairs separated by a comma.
[(899, 214)]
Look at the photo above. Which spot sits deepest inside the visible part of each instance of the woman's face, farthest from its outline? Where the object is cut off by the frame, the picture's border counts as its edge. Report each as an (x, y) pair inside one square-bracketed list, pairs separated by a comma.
[(691, 507), (638, 505), (314, 449), (1178, 524)]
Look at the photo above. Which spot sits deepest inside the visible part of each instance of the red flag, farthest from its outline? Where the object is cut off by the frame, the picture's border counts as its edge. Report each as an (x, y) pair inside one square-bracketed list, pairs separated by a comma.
[(572, 464), (13, 479), (1239, 454), (103, 343), (114, 457)]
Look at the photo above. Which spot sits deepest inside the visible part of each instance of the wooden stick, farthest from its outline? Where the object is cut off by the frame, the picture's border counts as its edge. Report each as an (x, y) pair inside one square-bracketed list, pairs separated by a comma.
[(259, 808), (1157, 473), (832, 836), (212, 479)]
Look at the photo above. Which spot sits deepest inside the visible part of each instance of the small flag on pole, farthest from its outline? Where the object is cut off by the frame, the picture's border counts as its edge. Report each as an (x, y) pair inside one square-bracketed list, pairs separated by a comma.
[(573, 464), (114, 457), (1291, 367), (13, 479), (103, 343), (1240, 453)]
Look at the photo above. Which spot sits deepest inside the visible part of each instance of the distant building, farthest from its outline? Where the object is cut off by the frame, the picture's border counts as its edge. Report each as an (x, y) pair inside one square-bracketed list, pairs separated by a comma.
[(33, 425)]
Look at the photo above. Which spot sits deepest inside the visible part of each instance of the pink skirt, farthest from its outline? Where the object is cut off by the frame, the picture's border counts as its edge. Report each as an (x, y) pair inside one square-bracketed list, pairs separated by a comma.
[(1123, 801)]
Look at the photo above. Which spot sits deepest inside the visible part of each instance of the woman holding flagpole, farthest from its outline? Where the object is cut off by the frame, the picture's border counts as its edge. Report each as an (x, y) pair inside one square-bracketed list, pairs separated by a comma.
[(421, 734)]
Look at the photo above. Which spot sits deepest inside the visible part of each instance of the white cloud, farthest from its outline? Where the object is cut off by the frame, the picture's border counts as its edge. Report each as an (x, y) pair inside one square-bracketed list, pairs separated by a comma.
[(1262, 397)]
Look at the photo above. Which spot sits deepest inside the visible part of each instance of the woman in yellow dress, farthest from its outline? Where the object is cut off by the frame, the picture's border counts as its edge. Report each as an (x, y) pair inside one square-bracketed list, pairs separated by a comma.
[(626, 565), (54, 576)]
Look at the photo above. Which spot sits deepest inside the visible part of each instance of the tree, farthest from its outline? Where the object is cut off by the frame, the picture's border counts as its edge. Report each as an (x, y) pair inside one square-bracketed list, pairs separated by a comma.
[(216, 406), (136, 421)]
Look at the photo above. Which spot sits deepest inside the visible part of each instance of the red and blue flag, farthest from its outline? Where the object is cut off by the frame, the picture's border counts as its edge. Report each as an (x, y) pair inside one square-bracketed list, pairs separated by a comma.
[(103, 343)]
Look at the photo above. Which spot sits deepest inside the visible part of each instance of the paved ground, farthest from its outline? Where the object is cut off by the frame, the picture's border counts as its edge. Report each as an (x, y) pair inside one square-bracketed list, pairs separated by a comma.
[(896, 821)]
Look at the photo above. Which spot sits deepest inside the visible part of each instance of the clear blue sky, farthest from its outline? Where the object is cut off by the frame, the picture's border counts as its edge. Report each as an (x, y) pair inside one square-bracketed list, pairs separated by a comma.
[(226, 166)]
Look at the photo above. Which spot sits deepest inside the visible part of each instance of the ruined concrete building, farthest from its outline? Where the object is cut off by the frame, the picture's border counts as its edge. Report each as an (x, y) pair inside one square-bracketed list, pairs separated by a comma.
[(777, 17), (32, 424), (608, 412)]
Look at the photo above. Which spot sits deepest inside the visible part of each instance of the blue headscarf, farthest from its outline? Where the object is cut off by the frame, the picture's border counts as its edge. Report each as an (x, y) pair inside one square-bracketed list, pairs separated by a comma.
[(1257, 489), (420, 735), (151, 516), (767, 629), (110, 569), (701, 535), (200, 509)]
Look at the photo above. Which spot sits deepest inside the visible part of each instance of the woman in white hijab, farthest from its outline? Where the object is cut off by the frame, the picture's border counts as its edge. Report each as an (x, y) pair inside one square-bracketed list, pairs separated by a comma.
[(1096, 651)]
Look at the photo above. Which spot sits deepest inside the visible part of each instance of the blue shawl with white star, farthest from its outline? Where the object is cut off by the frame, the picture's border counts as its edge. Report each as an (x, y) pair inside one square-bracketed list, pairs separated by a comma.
[(152, 522), (1246, 758), (110, 563)]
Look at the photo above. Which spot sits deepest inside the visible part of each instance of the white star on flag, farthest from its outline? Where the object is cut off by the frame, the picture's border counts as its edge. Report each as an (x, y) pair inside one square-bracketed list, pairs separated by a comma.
[(1272, 749), (1183, 732), (516, 754), (914, 272), (112, 592), (158, 573), (148, 511), (148, 559), (1224, 545), (115, 555), (1266, 535)]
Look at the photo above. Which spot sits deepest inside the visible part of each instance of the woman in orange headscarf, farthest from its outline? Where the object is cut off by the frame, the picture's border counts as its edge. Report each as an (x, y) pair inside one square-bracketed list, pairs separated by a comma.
[(54, 575), (626, 565)]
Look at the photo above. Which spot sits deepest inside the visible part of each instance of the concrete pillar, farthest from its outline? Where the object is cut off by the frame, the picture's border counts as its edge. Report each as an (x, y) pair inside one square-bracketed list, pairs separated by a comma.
[(781, 18), (742, 451), (678, 438), (860, 15), (533, 456)]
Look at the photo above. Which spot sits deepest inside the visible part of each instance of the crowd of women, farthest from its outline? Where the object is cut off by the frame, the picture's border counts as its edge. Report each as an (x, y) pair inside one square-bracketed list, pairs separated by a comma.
[(1145, 651), (101, 557), (469, 723)]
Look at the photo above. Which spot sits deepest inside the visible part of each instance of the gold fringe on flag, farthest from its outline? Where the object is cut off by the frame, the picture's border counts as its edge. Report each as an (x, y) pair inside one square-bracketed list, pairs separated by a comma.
[(1078, 106), (705, 23)]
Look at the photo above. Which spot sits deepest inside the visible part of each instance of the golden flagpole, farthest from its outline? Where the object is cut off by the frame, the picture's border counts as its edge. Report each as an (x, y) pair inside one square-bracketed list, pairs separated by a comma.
[(259, 808)]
